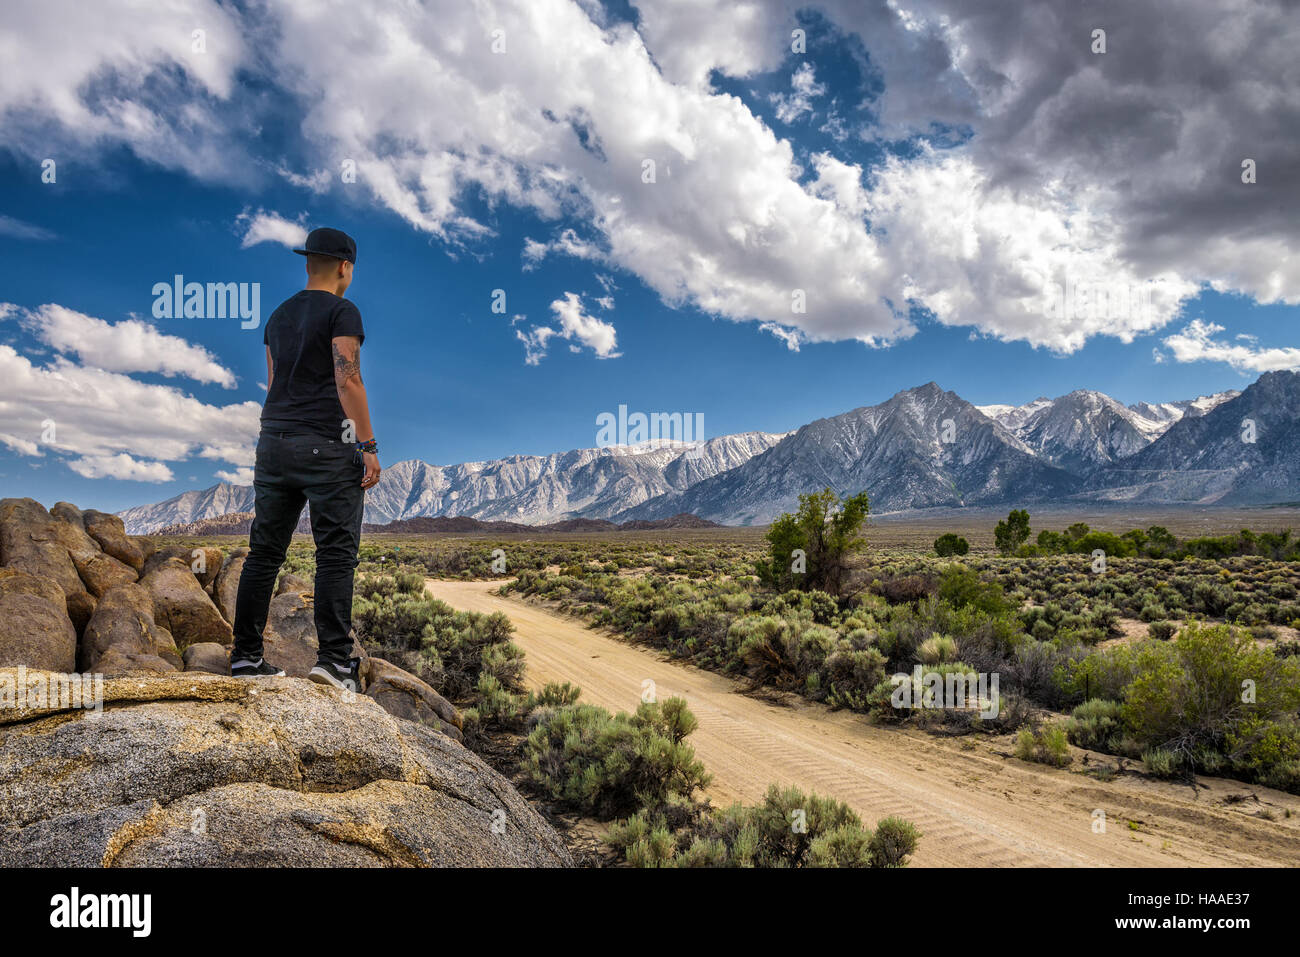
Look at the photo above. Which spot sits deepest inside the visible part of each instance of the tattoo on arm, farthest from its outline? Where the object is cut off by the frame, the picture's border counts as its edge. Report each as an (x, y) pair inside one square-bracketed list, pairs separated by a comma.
[(347, 361)]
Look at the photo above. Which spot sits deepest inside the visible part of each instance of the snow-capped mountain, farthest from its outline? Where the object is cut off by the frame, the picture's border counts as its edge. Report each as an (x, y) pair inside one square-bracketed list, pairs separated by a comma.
[(1243, 451), (1085, 430), (1164, 414), (1014, 416), (921, 448), (187, 507), (531, 489)]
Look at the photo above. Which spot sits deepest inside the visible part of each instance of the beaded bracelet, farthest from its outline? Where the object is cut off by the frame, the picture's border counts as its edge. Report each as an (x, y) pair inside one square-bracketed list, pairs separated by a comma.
[(369, 446)]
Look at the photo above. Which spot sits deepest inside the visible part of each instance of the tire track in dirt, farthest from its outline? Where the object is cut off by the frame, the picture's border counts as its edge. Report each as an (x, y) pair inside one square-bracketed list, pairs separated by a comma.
[(975, 805)]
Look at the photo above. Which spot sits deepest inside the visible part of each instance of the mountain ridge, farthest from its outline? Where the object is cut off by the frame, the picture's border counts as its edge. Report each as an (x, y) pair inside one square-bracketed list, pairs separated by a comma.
[(923, 447)]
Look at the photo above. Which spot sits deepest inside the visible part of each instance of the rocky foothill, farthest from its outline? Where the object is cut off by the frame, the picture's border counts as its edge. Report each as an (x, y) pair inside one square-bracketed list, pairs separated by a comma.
[(161, 758)]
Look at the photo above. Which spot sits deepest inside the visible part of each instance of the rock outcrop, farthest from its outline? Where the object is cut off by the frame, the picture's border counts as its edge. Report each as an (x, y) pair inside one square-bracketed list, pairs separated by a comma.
[(403, 695), (181, 605), (198, 770), (289, 641), (123, 633), (225, 588), (31, 540), (34, 626), (207, 656), (98, 571), (111, 535)]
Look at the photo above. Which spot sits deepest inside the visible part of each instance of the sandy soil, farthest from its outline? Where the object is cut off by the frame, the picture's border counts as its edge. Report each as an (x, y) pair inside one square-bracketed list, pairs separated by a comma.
[(975, 804)]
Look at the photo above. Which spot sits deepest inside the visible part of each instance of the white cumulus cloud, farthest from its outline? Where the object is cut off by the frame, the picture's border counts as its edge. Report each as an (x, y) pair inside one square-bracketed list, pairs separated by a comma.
[(1198, 343), (120, 466), (131, 345), (264, 227)]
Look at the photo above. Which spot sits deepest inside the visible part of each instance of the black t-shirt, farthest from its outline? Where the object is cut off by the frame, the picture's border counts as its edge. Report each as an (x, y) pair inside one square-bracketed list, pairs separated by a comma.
[(303, 397)]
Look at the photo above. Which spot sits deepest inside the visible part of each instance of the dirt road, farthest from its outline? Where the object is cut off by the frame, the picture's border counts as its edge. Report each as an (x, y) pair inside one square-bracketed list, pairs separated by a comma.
[(975, 805)]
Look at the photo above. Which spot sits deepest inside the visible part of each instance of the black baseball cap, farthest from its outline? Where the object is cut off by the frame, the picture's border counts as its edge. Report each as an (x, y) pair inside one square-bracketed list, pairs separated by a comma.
[(330, 242)]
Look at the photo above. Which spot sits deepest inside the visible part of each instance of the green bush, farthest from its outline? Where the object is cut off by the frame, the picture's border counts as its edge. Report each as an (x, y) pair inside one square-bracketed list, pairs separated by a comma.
[(937, 649), (1047, 745), (1187, 695), (788, 829), (1010, 534), (825, 531), (1095, 725), (1161, 630), (894, 841), (608, 765), (949, 544), (1162, 763), (448, 649)]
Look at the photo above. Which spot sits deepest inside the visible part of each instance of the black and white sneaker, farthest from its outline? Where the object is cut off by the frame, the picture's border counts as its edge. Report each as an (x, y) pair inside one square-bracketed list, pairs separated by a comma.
[(243, 668), (345, 677)]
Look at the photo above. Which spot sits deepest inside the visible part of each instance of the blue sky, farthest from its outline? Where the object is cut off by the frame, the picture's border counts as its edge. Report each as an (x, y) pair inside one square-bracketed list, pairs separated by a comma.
[(918, 259)]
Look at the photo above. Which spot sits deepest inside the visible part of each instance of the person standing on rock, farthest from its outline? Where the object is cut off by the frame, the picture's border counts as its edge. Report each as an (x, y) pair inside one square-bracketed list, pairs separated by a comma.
[(316, 446)]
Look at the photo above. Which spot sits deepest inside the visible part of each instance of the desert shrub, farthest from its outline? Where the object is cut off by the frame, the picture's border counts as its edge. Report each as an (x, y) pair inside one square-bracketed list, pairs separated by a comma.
[(850, 674), (1257, 744), (1095, 725), (1163, 763), (409, 583), (497, 705), (448, 649), (1161, 630), (554, 695), (961, 587), (1211, 599), (783, 653), (894, 841), (1113, 545), (937, 649), (904, 588), (1034, 668), (1284, 777), (373, 586), (1046, 745), (609, 765), (787, 829), (846, 846), (949, 544), (1187, 695), (1153, 612), (1096, 674)]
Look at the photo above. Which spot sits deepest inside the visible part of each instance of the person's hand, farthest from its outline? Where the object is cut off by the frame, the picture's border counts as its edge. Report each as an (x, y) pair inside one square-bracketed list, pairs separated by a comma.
[(372, 470)]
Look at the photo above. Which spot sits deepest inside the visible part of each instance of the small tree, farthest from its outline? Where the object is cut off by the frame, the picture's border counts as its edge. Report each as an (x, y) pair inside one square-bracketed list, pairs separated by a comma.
[(810, 548), (1014, 532), (1160, 542), (950, 544)]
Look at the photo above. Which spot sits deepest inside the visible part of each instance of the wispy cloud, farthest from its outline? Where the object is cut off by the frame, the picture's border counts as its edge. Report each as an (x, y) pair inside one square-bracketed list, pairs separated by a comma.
[(804, 89), (21, 230), (1198, 343)]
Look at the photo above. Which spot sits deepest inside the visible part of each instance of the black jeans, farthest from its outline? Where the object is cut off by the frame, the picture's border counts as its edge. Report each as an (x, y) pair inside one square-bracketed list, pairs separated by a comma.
[(292, 469)]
